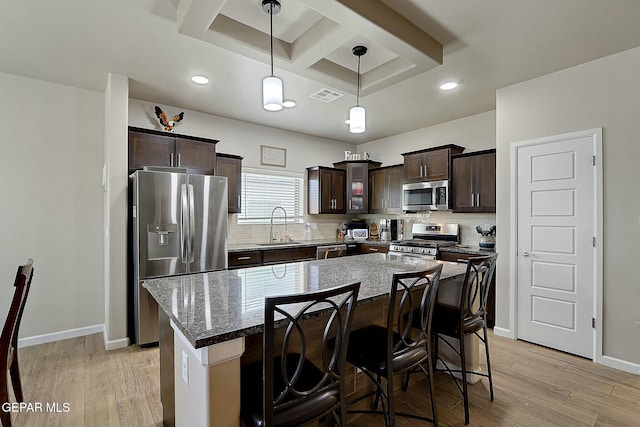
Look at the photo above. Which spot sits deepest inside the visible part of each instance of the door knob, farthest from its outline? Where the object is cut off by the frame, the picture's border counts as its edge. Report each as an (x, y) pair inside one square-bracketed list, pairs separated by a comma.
[(525, 253)]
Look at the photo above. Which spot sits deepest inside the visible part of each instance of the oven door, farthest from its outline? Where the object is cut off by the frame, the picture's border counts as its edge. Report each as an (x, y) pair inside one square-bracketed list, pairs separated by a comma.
[(413, 252), (425, 196)]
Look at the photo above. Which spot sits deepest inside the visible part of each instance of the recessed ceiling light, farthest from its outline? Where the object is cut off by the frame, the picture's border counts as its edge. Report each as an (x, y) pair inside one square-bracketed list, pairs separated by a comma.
[(449, 86), (201, 80), (289, 104)]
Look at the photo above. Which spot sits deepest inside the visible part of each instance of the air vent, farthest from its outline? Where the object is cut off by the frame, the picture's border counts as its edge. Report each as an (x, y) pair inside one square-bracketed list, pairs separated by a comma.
[(326, 95)]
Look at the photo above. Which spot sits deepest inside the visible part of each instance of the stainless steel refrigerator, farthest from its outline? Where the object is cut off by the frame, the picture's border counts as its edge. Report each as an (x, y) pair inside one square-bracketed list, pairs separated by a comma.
[(179, 227)]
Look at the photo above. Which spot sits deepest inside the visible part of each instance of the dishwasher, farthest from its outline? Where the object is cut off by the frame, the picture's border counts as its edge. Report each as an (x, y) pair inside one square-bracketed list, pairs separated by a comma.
[(331, 251)]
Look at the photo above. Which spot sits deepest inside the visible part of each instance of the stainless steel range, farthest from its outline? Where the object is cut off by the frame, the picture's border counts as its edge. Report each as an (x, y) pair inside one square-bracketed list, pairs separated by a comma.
[(427, 238)]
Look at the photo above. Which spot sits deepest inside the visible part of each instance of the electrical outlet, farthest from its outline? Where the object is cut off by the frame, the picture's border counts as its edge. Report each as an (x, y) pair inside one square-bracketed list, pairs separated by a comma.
[(185, 368), (314, 226)]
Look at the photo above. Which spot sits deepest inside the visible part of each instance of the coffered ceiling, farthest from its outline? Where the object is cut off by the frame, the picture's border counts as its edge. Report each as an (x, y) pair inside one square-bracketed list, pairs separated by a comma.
[(414, 46), (314, 38)]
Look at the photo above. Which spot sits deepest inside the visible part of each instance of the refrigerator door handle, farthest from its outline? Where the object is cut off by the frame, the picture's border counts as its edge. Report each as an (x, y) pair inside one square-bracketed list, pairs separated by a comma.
[(183, 223), (192, 220)]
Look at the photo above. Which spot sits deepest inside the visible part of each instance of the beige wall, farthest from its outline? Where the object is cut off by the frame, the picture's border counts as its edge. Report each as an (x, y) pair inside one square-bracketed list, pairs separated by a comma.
[(475, 133), (51, 202), (602, 93)]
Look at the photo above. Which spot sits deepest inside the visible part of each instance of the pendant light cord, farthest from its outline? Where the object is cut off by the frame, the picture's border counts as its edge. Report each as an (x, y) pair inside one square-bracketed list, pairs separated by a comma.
[(358, 93), (271, 34)]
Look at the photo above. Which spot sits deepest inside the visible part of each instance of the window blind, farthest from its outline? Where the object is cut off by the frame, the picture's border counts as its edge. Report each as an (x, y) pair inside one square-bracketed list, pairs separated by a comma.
[(263, 190)]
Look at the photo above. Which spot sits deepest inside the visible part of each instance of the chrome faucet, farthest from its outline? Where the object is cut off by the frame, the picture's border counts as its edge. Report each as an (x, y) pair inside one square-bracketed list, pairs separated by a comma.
[(271, 238)]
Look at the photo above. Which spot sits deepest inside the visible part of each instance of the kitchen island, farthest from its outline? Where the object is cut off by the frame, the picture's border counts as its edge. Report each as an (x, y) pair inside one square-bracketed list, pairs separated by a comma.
[(208, 316)]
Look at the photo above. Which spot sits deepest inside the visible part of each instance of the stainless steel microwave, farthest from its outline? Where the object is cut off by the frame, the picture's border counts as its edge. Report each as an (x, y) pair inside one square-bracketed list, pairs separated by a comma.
[(425, 196)]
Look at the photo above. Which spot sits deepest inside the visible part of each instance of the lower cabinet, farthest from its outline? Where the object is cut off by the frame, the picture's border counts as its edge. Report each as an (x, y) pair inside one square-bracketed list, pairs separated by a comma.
[(366, 248), (244, 259), (288, 254), (257, 257)]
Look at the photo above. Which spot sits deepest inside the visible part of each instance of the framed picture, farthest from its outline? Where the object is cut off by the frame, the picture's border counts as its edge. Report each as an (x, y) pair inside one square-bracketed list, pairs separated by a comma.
[(273, 156)]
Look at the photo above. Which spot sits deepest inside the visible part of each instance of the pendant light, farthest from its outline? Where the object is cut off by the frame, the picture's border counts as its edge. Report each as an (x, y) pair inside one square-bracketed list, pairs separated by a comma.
[(272, 97), (357, 113)]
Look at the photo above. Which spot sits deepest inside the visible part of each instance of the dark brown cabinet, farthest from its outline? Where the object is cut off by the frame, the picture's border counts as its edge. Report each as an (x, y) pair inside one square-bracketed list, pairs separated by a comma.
[(366, 248), (474, 182), (357, 184), (432, 164), (273, 256), (385, 189), (153, 148), (244, 259), (231, 166), (326, 190)]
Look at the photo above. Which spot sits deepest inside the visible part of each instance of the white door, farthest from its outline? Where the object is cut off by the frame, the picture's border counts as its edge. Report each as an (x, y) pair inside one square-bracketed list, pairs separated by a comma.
[(556, 283)]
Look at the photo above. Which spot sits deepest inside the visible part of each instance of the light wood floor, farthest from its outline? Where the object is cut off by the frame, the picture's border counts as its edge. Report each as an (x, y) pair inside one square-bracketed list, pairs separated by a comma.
[(534, 386)]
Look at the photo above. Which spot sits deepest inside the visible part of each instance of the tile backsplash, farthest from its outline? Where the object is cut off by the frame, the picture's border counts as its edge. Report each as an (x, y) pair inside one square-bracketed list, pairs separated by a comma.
[(326, 226)]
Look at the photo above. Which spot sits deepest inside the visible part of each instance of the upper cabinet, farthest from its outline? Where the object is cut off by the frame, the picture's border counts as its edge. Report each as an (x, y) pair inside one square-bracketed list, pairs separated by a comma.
[(326, 190), (357, 184), (474, 182), (231, 166), (385, 189), (432, 164), (155, 148)]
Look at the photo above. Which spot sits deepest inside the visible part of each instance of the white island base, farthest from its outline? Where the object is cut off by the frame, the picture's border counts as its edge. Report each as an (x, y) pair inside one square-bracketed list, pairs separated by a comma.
[(211, 394)]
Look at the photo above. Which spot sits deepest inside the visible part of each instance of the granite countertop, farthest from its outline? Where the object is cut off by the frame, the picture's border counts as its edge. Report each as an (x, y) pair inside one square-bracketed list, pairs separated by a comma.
[(209, 308), (467, 249), (239, 247)]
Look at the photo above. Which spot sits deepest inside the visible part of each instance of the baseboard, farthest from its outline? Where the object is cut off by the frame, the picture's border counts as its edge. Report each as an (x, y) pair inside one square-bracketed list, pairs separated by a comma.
[(115, 344), (622, 365), (501, 332), (62, 335)]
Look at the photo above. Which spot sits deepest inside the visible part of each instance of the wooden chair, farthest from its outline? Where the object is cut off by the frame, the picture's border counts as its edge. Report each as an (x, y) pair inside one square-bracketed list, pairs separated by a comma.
[(9, 340), (288, 388), (469, 317), (382, 352)]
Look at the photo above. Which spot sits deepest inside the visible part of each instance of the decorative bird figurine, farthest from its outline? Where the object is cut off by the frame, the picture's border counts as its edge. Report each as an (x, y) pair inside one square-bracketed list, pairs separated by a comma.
[(168, 124)]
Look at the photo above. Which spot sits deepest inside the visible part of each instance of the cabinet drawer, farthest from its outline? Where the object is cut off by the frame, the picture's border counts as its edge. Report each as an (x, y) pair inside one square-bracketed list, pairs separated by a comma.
[(372, 249), (289, 254), (246, 258), (453, 256)]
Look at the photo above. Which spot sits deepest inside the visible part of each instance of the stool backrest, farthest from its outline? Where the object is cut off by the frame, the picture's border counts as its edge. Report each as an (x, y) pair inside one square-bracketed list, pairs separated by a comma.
[(412, 294), (477, 281), (333, 310), (22, 283)]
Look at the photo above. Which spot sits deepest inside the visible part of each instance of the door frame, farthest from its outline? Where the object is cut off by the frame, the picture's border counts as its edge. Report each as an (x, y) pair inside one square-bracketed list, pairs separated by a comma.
[(596, 140)]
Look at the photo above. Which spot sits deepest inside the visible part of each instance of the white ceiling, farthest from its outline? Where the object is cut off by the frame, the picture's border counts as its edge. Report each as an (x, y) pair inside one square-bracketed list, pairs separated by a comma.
[(487, 44)]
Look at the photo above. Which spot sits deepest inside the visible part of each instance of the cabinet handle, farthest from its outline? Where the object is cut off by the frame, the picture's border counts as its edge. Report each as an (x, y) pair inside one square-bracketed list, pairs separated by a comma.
[(178, 159), (421, 175), (478, 200), (373, 249), (472, 200), (171, 159), (350, 205), (243, 258), (238, 200)]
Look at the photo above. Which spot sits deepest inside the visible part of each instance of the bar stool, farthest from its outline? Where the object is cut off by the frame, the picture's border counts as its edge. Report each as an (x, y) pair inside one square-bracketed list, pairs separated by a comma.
[(9, 340), (382, 352), (469, 317), (287, 388)]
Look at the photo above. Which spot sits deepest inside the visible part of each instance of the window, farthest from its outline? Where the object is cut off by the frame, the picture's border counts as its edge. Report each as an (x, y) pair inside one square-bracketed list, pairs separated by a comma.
[(263, 190)]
